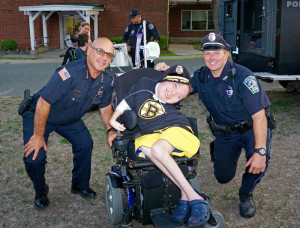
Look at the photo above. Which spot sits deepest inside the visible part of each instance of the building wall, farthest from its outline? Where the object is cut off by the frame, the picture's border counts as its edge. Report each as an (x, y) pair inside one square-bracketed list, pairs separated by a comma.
[(175, 21), (112, 21)]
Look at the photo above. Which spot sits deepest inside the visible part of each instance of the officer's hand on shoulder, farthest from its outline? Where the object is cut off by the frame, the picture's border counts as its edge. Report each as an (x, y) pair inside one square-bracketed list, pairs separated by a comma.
[(161, 67)]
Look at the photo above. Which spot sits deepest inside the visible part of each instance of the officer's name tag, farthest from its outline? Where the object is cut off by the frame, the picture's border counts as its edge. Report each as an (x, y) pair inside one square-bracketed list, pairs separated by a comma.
[(64, 74)]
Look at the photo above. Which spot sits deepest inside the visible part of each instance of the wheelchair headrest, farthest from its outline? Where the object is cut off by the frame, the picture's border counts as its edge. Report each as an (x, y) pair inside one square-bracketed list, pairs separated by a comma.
[(124, 82)]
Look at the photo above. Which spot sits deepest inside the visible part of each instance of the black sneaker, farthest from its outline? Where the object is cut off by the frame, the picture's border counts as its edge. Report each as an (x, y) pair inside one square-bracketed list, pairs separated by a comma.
[(42, 202), (247, 206)]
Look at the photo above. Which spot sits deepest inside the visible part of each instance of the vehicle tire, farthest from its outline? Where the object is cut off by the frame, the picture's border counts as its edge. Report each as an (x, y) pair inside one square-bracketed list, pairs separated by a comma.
[(113, 202), (194, 182), (219, 218)]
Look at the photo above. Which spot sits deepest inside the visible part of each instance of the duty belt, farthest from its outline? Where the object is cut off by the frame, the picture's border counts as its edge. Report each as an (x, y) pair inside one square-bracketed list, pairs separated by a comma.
[(241, 126)]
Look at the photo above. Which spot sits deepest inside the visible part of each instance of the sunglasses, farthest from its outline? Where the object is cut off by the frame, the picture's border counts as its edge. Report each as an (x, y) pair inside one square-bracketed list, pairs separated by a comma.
[(102, 52)]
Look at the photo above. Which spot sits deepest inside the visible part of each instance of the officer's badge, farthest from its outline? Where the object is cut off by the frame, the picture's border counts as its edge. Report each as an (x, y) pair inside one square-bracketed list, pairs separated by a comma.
[(179, 69), (64, 74), (151, 109), (100, 92), (126, 30), (229, 91), (251, 84), (132, 32), (212, 37), (151, 26)]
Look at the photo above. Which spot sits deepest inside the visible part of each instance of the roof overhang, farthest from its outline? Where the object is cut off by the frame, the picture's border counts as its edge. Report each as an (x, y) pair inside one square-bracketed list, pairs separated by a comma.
[(189, 2), (90, 9)]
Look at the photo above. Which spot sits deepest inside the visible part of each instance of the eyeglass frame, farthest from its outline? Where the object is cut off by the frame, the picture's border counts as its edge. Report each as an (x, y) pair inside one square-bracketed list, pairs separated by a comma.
[(102, 51)]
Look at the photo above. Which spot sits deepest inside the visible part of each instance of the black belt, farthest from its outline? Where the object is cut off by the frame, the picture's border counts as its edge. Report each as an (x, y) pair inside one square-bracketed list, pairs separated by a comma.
[(241, 126)]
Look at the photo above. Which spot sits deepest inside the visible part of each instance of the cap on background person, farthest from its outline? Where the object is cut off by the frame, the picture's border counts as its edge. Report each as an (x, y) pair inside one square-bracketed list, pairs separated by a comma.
[(134, 13), (214, 41), (177, 73)]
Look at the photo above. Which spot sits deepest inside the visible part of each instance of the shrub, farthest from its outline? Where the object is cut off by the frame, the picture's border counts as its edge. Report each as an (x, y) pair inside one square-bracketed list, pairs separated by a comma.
[(8, 45), (163, 43), (117, 39)]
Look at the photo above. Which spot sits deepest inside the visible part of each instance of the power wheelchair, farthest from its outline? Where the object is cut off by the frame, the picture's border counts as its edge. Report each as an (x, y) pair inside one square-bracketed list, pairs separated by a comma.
[(150, 195)]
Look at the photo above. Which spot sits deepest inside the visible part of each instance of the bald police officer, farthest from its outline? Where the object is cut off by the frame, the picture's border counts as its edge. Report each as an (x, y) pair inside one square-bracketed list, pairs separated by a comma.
[(72, 91), (133, 37), (237, 106)]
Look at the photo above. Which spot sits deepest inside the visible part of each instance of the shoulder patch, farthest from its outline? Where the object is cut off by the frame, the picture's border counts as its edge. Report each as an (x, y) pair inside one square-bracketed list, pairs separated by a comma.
[(151, 26), (251, 84), (64, 74)]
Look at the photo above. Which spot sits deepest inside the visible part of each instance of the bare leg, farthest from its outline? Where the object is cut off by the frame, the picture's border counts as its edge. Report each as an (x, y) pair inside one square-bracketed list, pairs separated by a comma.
[(160, 155)]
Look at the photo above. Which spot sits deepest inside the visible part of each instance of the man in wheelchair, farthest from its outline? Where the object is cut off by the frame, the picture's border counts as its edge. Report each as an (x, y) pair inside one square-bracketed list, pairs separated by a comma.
[(164, 132)]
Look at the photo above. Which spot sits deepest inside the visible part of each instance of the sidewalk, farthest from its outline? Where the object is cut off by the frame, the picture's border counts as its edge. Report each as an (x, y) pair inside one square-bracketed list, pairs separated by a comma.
[(182, 51)]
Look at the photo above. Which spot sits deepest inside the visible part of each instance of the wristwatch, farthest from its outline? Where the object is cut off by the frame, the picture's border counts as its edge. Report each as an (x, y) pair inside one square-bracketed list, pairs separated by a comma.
[(261, 151)]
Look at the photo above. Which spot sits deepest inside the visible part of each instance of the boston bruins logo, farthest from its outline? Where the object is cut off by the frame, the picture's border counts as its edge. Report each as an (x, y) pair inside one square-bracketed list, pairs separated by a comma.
[(151, 109)]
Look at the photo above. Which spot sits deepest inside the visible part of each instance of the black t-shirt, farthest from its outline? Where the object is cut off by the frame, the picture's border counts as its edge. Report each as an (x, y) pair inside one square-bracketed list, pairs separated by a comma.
[(152, 114)]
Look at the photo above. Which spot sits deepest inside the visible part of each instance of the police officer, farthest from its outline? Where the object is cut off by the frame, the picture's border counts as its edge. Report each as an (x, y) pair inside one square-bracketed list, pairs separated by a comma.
[(134, 35), (72, 91), (237, 106)]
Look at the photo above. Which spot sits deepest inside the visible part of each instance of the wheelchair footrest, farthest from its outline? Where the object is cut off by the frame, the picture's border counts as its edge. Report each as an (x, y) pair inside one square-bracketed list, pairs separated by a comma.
[(162, 219)]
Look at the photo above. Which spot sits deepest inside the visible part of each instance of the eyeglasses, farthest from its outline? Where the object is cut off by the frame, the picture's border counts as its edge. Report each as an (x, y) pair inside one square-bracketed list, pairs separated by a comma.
[(102, 52)]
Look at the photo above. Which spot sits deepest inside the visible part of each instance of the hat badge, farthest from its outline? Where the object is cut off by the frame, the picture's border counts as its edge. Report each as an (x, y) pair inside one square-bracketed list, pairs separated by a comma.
[(179, 69), (212, 37)]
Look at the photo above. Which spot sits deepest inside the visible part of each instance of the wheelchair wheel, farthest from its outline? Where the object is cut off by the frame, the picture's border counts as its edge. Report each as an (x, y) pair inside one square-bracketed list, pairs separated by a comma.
[(113, 202), (219, 218), (194, 182)]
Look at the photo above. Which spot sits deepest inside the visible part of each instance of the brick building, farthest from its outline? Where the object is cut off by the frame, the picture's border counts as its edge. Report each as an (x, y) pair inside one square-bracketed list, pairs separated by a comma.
[(27, 22)]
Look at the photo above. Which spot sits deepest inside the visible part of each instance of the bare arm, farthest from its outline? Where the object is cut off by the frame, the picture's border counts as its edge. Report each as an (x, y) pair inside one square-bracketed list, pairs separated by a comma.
[(36, 142), (106, 114), (114, 123), (257, 162), (118, 112)]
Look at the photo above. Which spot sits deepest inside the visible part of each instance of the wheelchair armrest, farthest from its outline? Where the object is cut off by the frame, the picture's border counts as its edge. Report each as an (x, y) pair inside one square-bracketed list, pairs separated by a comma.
[(129, 119)]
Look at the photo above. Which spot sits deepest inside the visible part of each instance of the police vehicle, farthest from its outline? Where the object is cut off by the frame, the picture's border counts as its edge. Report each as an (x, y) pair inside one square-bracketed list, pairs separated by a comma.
[(265, 37)]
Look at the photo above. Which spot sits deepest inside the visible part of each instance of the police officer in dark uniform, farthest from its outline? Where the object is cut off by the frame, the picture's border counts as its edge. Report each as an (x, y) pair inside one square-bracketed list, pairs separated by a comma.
[(59, 106), (134, 34), (237, 106), (239, 117)]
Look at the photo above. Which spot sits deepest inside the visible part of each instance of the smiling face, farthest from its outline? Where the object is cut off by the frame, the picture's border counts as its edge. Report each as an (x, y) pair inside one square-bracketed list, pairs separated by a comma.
[(172, 92), (97, 62), (215, 60)]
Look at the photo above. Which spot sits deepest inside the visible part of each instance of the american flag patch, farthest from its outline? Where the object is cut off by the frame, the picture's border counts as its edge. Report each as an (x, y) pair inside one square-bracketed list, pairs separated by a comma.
[(64, 74)]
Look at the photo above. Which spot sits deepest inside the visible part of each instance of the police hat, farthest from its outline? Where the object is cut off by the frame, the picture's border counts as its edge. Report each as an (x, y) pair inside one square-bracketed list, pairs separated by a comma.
[(213, 41), (177, 73), (134, 13)]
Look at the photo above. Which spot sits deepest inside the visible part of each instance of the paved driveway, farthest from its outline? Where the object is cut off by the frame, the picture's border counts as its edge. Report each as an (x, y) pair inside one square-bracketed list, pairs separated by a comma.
[(16, 76)]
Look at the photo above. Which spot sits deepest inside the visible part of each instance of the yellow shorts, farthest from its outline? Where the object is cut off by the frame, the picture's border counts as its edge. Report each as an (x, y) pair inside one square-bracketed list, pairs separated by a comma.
[(185, 143)]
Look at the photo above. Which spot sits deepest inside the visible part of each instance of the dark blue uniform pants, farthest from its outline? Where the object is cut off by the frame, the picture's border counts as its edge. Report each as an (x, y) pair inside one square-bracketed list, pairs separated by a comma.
[(227, 150), (82, 144)]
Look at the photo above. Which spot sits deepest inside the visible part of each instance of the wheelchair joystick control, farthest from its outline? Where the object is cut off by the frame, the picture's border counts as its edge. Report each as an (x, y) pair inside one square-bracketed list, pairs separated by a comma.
[(120, 143)]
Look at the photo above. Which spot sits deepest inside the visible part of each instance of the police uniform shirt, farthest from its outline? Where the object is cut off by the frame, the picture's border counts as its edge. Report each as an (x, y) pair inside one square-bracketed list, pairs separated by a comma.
[(152, 114), (132, 29), (227, 100), (72, 92)]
